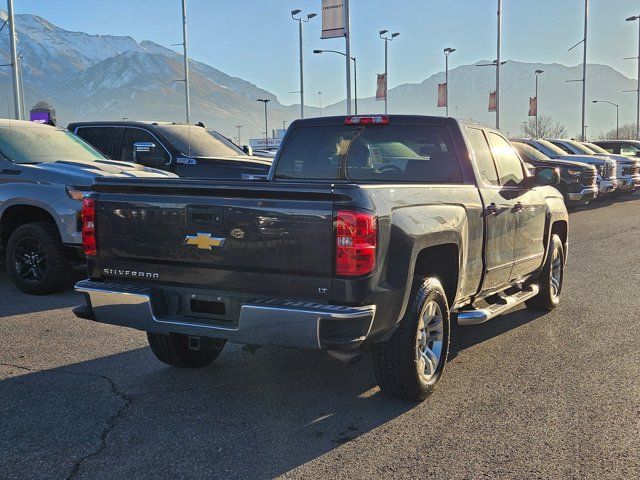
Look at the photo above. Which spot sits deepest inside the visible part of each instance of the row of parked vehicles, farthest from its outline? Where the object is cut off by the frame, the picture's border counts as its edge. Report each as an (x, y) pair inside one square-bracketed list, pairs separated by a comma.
[(372, 230), (588, 171)]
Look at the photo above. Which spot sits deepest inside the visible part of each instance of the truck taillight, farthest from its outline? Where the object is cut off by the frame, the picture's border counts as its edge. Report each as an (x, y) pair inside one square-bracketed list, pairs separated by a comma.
[(356, 240), (89, 243)]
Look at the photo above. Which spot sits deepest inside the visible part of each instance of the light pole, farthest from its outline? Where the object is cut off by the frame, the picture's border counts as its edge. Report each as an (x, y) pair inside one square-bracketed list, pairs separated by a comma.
[(17, 94), (355, 73), (387, 39), (538, 73), (633, 19), (239, 138), (617, 115), (186, 62), (447, 51), (498, 64), (266, 122), (320, 102), (300, 21), (584, 72)]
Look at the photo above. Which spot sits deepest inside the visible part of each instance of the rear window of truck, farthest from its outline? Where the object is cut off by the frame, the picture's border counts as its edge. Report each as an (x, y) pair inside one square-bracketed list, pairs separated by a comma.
[(387, 153)]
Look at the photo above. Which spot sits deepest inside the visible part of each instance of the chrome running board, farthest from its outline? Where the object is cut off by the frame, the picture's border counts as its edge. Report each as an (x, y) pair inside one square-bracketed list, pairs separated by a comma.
[(474, 317)]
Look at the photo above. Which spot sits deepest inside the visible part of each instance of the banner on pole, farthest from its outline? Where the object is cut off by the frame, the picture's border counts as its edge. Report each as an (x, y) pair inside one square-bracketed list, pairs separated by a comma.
[(442, 94), (381, 90), (533, 106), (492, 102), (333, 21)]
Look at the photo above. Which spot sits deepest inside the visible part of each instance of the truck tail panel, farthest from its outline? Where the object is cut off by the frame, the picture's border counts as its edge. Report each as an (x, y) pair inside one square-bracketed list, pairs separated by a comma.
[(247, 240)]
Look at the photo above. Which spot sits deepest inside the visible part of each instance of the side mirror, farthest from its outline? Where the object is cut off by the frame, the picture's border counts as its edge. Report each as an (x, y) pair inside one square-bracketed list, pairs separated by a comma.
[(547, 176), (147, 154), (248, 150)]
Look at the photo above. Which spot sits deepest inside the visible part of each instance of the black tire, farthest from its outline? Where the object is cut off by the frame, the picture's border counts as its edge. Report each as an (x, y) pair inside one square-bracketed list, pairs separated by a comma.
[(397, 363), (49, 270), (549, 296), (173, 349)]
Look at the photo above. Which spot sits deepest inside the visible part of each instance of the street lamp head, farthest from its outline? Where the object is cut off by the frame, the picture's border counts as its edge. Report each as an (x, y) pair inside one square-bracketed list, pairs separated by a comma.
[(295, 12), (538, 72), (595, 101), (449, 50), (633, 19), (317, 51), (394, 35), (382, 32), (311, 15)]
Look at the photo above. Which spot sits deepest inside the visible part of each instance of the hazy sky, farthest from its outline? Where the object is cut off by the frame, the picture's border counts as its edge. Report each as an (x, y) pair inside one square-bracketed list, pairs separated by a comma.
[(257, 40)]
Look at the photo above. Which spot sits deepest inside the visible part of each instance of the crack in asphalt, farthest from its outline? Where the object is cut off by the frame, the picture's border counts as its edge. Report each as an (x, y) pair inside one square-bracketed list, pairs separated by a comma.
[(110, 422)]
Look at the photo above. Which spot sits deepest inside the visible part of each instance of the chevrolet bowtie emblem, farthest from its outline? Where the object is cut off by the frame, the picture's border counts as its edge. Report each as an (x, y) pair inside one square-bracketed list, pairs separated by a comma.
[(204, 241)]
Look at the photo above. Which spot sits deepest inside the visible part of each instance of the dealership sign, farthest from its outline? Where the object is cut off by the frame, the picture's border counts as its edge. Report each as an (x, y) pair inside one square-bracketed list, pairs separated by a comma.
[(333, 19)]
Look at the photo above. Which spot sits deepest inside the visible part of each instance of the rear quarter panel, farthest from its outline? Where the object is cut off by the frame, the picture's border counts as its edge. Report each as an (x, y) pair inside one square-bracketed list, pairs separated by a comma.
[(410, 219)]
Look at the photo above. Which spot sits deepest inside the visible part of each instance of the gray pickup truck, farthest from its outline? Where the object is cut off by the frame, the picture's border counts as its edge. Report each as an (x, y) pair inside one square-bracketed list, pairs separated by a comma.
[(44, 173), (369, 230)]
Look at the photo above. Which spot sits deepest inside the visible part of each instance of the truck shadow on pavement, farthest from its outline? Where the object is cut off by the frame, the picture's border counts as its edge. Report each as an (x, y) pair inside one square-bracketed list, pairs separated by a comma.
[(248, 415)]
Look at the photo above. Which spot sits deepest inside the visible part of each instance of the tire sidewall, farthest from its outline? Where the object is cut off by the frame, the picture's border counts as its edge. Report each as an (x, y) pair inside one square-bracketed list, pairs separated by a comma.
[(430, 290)]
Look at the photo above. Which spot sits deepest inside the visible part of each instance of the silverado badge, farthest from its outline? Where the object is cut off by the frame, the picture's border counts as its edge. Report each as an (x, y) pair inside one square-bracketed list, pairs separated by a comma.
[(204, 241)]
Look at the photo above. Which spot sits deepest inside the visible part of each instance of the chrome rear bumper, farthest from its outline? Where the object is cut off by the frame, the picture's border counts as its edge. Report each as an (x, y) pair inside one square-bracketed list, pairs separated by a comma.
[(277, 323)]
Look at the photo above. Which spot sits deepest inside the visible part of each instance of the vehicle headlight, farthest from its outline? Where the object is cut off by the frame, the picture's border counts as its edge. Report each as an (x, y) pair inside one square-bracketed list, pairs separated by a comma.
[(574, 173), (75, 193)]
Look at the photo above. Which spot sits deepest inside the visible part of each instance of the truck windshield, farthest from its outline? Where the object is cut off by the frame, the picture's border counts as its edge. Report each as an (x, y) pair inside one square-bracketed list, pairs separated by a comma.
[(395, 153), (596, 148), (35, 143), (198, 142)]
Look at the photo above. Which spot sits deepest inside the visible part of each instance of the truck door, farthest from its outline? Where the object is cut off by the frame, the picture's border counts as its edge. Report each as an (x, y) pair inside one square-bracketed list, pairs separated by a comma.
[(499, 231), (528, 208)]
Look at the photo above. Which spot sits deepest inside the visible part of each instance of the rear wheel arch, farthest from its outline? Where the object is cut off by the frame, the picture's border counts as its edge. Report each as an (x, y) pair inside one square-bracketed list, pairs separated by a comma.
[(441, 262)]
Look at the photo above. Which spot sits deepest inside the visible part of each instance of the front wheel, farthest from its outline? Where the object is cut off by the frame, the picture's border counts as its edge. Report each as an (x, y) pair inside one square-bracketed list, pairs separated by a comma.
[(36, 261), (551, 278), (411, 362)]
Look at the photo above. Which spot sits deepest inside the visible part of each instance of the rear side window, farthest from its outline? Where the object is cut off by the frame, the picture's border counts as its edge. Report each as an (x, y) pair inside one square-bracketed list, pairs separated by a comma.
[(100, 138), (483, 157), (389, 153)]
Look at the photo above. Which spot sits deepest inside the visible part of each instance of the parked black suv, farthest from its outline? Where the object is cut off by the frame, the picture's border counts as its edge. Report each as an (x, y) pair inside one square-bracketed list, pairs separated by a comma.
[(189, 151), (577, 180)]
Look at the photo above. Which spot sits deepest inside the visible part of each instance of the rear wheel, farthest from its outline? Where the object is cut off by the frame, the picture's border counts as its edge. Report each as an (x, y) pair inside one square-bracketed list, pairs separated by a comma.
[(36, 261), (411, 362), (550, 279), (173, 349)]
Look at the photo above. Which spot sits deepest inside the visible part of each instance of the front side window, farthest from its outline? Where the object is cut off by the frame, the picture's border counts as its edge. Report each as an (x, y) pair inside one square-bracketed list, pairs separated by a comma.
[(393, 153), (629, 150), (136, 135), (509, 165), (35, 143)]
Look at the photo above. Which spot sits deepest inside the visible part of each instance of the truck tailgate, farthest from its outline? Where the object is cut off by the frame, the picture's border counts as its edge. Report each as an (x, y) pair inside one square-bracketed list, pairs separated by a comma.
[(240, 236)]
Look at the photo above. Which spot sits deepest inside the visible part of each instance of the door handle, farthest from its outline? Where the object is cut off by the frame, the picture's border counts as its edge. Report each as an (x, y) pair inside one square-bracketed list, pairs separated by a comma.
[(492, 209), (518, 207)]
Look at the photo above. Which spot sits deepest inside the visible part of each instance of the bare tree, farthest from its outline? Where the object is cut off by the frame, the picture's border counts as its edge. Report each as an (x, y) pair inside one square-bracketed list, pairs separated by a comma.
[(547, 128), (627, 131)]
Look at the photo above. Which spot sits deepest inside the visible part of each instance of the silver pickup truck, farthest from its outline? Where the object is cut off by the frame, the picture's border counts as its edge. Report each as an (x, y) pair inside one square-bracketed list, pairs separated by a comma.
[(44, 172)]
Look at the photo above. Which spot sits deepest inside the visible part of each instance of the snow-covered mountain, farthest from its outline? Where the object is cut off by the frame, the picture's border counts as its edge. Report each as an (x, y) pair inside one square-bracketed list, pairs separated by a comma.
[(469, 87), (91, 77), (109, 77)]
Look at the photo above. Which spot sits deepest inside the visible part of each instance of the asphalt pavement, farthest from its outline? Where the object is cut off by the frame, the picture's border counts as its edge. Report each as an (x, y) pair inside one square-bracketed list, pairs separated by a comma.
[(524, 396)]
